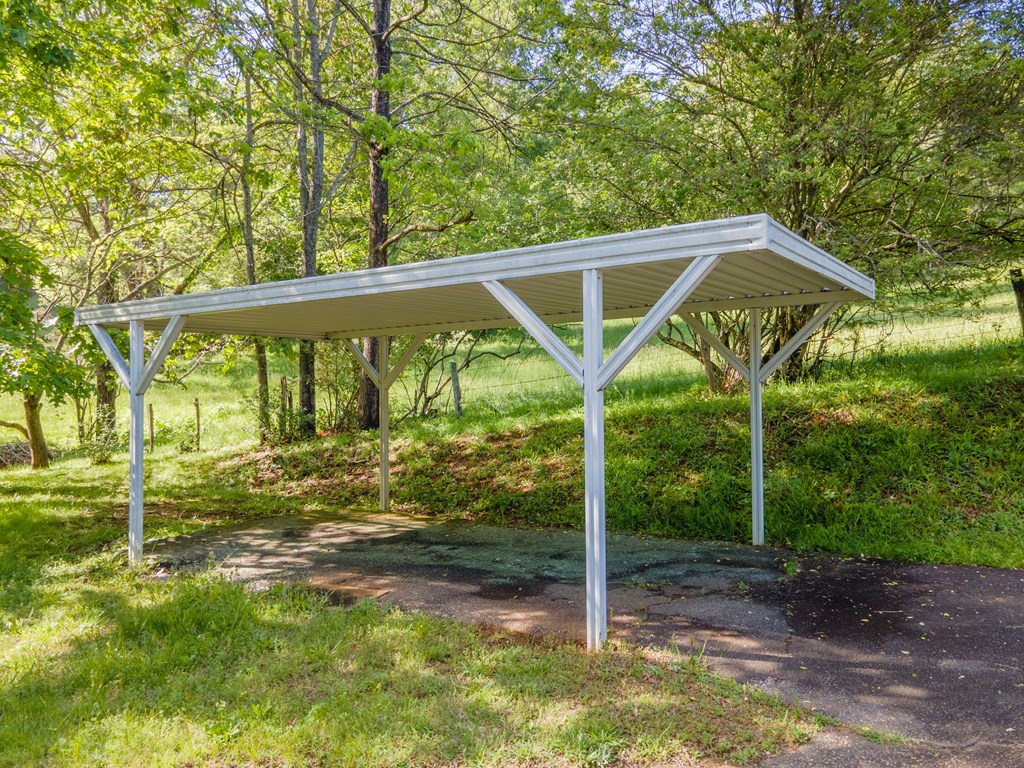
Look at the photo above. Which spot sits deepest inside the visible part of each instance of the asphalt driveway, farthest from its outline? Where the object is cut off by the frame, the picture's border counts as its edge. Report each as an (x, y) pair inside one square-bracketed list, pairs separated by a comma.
[(933, 655)]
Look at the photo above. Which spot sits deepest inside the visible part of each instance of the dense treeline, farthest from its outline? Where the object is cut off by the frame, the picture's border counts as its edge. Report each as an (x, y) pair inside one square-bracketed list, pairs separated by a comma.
[(155, 147)]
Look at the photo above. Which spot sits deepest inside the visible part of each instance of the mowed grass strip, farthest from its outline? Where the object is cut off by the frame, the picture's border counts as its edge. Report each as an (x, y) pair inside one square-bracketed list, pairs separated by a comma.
[(105, 665)]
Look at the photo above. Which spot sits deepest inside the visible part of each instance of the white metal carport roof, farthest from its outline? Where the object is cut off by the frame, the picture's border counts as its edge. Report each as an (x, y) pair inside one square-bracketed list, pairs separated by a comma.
[(747, 262), (762, 264)]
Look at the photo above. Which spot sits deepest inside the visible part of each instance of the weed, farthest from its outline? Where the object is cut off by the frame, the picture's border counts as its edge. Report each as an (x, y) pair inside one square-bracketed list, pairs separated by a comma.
[(593, 745), (879, 737)]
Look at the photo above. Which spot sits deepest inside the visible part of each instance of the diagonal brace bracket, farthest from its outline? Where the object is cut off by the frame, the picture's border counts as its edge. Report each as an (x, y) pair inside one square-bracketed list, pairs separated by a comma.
[(113, 354), (715, 343), (391, 375), (368, 369), (170, 334), (799, 338), (664, 308), (536, 327)]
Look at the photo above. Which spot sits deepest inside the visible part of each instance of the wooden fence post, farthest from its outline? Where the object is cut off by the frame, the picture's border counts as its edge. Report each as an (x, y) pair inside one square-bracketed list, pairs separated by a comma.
[(195, 402), (282, 417), (456, 389), (1017, 281)]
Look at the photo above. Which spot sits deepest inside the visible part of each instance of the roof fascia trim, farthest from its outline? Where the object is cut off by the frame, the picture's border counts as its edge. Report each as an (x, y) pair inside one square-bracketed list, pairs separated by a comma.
[(800, 251)]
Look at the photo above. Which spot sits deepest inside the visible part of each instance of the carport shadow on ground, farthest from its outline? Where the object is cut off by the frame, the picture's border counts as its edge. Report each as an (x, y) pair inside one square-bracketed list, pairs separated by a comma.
[(930, 653)]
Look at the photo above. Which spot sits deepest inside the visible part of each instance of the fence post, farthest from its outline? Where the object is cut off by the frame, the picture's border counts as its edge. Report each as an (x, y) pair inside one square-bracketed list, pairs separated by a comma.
[(282, 420), (195, 402), (1017, 281), (456, 389)]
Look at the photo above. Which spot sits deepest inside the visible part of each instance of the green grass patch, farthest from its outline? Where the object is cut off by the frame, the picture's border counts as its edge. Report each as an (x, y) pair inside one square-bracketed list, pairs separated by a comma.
[(105, 665), (909, 449), (199, 672), (916, 457)]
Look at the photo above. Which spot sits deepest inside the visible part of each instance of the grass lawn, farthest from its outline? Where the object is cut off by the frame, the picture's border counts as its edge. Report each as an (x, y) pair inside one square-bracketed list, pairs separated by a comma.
[(916, 456), (910, 448), (104, 665)]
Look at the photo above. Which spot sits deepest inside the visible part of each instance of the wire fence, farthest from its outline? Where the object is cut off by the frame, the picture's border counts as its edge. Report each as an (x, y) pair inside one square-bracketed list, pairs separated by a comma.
[(493, 381), (901, 336)]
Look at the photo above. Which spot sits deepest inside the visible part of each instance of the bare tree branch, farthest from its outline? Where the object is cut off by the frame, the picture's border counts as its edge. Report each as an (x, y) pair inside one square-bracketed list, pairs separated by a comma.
[(401, 21), (14, 425), (410, 228)]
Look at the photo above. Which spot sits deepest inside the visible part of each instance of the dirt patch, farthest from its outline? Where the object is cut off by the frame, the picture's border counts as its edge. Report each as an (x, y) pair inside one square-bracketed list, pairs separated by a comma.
[(828, 418), (500, 589)]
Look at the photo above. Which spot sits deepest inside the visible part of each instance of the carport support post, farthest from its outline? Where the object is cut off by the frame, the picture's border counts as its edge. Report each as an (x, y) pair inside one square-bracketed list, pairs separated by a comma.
[(756, 430), (136, 437), (137, 375), (383, 376), (385, 426), (593, 459)]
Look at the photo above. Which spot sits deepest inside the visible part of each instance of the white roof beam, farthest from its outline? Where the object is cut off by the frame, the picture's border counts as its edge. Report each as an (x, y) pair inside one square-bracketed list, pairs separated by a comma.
[(799, 251), (735, 235)]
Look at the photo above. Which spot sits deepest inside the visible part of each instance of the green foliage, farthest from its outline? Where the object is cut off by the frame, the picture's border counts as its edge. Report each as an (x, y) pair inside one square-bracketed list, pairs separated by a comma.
[(21, 269), (27, 363), (30, 35), (887, 133), (883, 131), (101, 445)]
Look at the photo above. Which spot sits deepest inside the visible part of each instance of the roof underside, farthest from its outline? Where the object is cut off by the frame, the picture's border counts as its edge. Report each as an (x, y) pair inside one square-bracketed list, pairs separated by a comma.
[(762, 264)]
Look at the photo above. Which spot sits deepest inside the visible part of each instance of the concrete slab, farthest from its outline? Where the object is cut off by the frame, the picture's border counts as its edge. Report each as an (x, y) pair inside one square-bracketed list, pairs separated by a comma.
[(933, 654)]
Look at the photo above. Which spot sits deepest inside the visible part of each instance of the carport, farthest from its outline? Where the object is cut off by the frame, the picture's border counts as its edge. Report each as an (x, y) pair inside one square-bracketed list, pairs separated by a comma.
[(741, 263)]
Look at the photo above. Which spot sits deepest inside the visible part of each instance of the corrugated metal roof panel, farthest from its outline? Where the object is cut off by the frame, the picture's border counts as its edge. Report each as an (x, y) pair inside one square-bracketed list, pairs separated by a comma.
[(762, 264)]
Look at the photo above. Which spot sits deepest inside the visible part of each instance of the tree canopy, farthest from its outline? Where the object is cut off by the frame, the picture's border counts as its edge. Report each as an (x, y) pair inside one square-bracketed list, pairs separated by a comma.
[(153, 148)]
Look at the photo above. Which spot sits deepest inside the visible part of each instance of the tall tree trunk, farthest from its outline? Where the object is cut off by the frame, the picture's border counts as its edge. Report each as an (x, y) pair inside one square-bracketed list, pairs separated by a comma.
[(380, 105), (311, 188), (106, 382), (259, 347), (36, 439), (81, 408)]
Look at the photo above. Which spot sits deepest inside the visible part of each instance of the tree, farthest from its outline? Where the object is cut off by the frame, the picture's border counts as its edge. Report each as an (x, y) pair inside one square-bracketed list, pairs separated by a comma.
[(103, 194), (397, 127), (27, 365), (432, 38), (882, 130), (287, 46), (236, 154)]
